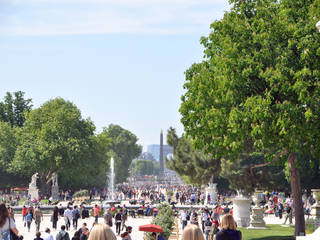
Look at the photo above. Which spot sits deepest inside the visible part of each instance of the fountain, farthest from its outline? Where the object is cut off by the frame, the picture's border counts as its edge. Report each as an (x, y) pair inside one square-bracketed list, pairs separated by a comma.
[(111, 179), (111, 200)]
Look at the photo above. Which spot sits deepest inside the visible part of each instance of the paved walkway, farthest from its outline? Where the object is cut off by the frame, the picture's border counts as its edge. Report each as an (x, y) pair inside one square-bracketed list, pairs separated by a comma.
[(134, 222)]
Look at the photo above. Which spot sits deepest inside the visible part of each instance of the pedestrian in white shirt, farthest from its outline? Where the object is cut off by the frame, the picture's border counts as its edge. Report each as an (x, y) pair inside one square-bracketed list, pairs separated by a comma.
[(184, 218), (47, 235), (68, 217)]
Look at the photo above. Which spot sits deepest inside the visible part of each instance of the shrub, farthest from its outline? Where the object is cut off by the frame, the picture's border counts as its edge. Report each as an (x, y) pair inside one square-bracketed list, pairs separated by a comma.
[(81, 193), (312, 225), (165, 219)]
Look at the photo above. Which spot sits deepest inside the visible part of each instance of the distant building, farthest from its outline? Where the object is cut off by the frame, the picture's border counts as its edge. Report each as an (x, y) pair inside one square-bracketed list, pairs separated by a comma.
[(154, 149), (146, 156)]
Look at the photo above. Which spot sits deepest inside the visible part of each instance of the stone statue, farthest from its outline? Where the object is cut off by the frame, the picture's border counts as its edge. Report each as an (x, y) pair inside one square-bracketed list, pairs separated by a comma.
[(33, 191), (54, 179), (33, 183), (54, 187)]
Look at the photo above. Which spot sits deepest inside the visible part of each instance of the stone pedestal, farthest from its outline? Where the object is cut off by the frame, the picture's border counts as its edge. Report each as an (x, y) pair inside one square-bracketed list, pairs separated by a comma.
[(33, 193), (315, 209), (241, 211), (212, 190), (257, 221), (55, 192)]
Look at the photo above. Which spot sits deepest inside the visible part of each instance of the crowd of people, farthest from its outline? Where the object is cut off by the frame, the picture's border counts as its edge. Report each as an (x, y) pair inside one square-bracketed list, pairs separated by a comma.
[(209, 221)]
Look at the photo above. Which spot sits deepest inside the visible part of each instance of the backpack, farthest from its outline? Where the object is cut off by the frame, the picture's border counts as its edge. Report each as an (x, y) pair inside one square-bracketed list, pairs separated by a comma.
[(64, 237)]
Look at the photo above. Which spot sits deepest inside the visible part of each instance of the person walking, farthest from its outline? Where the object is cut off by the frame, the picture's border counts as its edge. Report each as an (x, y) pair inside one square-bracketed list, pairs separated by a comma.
[(108, 218), (68, 218), (207, 228), (204, 217), (38, 234), (47, 235), (63, 235), (85, 234), (118, 220), (96, 211), (75, 217), (288, 211), (24, 214), (101, 232), (38, 216), (192, 232), (7, 224), (124, 216), (29, 220), (184, 218), (228, 229), (280, 210), (129, 231), (55, 217)]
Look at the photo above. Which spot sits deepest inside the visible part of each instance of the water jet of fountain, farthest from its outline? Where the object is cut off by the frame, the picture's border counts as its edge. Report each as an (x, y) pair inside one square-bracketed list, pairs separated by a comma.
[(111, 179)]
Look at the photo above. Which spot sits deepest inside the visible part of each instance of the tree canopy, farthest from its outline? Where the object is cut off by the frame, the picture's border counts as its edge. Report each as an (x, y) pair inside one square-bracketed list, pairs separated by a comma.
[(192, 165), (56, 139), (258, 86), (123, 147), (13, 107)]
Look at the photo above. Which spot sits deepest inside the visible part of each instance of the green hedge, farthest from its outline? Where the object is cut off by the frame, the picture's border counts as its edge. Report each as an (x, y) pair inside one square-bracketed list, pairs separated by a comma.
[(81, 193)]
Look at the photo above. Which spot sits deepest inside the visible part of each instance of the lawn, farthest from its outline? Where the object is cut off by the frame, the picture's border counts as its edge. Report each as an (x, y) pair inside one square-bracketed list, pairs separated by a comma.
[(274, 232)]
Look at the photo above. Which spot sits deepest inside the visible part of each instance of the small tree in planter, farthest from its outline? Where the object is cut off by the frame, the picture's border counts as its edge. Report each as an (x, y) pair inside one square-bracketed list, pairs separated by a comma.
[(165, 219)]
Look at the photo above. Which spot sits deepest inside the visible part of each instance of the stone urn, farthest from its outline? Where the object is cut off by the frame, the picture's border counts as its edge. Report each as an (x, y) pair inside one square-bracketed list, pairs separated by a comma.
[(315, 209), (241, 210), (257, 221), (316, 195), (212, 190)]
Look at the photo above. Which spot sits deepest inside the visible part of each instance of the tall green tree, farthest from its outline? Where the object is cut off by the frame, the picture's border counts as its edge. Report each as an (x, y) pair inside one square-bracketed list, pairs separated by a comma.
[(13, 107), (143, 167), (123, 148), (258, 87), (192, 165), (56, 139), (8, 146)]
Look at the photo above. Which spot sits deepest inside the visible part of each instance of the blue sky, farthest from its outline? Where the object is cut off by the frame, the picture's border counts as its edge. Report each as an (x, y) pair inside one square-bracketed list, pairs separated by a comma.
[(119, 61)]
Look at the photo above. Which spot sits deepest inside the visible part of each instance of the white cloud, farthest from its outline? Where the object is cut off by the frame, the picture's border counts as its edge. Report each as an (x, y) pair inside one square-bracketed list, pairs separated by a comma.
[(65, 17)]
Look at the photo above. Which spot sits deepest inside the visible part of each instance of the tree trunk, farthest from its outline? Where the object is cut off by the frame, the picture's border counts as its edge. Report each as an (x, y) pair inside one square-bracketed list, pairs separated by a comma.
[(44, 187), (297, 195)]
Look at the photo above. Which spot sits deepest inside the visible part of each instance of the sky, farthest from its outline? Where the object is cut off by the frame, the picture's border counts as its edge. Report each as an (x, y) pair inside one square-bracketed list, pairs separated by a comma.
[(118, 61)]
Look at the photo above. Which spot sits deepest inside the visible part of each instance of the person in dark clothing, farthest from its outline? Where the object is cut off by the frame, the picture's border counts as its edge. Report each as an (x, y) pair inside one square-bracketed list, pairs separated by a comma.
[(63, 235), (85, 234), (226, 209), (76, 236), (61, 210), (55, 216), (38, 234), (228, 229), (280, 210), (118, 220)]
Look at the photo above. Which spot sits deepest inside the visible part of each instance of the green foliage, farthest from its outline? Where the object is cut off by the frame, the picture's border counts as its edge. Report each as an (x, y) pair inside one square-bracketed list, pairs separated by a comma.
[(143, 167), (81, 193), (258, 88), (55, 138), (123, 147), (13, 107), (192, 165), (241, 176), (165, 219), (312, 225)]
